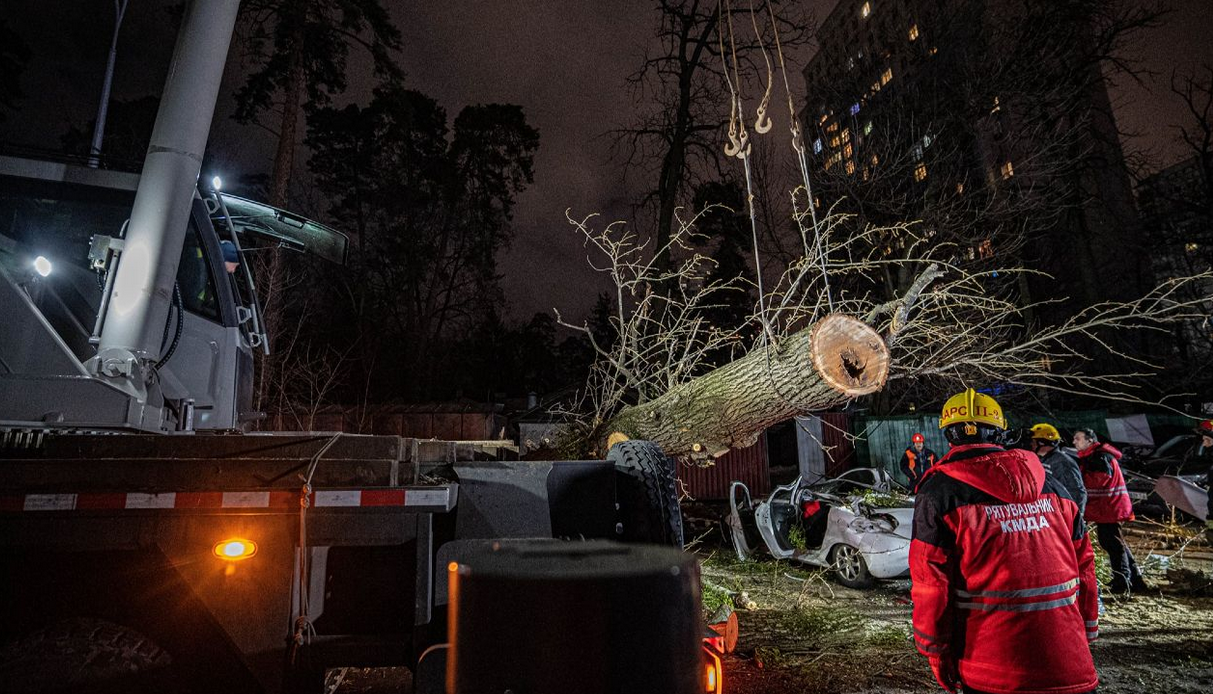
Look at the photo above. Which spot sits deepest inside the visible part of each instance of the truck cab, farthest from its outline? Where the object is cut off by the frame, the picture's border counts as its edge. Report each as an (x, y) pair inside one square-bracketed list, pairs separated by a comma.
[(61, 236)]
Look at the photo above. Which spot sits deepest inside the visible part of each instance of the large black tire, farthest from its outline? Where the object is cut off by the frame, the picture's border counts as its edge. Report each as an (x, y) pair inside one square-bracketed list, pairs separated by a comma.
[(646, 493), (79, 653)]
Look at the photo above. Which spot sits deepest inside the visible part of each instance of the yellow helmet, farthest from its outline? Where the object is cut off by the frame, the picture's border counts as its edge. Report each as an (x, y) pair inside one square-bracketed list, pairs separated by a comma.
[(1046, 432), (971, 406)]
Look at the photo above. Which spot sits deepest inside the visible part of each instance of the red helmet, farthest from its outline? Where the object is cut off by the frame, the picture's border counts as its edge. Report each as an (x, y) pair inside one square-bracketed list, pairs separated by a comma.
[(918, 438), (1205, 428)]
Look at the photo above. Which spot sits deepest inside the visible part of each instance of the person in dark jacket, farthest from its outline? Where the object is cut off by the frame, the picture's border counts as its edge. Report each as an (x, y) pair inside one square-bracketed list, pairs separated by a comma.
[(1108, 505), (917, 460), (1004, 591), (1058, 464)]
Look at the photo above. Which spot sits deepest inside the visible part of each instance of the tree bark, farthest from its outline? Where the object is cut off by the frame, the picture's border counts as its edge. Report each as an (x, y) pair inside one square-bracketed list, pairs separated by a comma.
[(284, 156), (817, 368), (269, 264)]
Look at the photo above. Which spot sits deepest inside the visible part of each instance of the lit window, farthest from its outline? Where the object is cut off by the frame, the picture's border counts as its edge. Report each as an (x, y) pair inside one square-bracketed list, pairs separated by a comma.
[(1007, 170), (875, 87), (1191, 247), (875, 160), (867, 128), (850, 63), (866, 174), (817, 146), (850, 168), (926, 141), (855, 108), (833, 128), (835, 141), (916, 152), (866, 9), (823, 118), (846, 134), (997, 107), (888, 75), (933, 50), (986, 249), (846, 151), (914, 32), (920, 172), (960, 188)]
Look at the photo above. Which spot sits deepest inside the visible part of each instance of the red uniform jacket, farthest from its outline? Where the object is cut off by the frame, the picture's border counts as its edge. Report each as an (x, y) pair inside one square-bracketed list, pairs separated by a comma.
[(1107, 497), (1004, 576)]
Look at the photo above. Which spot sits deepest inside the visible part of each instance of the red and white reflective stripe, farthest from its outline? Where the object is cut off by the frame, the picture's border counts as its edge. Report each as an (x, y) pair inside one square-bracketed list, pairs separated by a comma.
[(323, 498)]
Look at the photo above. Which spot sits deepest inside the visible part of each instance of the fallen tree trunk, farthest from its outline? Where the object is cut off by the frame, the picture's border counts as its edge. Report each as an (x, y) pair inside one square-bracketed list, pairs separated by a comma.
[(822, 366)]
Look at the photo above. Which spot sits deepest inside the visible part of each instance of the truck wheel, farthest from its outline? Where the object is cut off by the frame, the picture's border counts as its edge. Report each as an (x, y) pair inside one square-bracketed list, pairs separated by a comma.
[(77, 652), (646, 494), (850, 568)]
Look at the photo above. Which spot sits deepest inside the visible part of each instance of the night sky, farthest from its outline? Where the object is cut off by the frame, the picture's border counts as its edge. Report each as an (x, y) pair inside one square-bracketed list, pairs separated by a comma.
[(564, 61)]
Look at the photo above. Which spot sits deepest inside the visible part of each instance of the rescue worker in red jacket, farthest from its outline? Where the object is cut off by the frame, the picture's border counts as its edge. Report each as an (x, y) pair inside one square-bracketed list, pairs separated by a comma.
[(917, 460), (1004, 591), (1108, 505)]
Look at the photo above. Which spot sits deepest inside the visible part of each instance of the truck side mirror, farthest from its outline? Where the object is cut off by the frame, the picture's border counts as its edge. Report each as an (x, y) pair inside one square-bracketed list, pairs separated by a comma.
[(244, 314)]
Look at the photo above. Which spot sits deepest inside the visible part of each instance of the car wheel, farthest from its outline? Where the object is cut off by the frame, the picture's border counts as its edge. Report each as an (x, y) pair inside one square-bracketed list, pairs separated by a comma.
[(850, 568), (646, 494)]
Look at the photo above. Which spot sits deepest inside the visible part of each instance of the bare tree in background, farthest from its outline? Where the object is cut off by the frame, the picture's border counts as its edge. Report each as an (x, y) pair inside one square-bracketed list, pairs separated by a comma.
[(990, 124), (1195, 88), (296, 54), (298, 50), (1177, 210), (682, 103)]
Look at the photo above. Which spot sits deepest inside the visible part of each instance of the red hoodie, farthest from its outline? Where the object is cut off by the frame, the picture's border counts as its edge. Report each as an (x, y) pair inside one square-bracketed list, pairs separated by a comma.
[(1107, 497), (1004, 576)]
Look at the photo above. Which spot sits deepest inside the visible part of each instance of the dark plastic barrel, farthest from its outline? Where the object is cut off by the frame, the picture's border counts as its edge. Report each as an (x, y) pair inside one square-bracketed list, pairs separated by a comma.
[(548, 617)]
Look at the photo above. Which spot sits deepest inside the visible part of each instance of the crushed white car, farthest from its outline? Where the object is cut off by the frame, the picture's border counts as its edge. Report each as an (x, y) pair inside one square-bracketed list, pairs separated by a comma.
[(857, 525)]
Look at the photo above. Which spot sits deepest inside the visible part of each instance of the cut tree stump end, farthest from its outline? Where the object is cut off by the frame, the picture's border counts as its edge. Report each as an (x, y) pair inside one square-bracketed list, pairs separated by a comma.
[(851, 357)]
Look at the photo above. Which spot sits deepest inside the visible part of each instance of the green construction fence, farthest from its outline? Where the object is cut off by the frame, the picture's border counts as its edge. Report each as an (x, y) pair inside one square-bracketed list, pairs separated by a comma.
[(882, 440)]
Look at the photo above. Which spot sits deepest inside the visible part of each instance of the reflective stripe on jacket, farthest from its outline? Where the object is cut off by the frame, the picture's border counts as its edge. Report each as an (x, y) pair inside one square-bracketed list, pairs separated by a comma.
[(1107, 497), (1003, 574)]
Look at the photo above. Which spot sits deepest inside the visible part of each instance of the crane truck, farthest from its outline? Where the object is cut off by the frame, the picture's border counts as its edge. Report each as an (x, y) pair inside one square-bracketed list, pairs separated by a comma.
[(149, 540)]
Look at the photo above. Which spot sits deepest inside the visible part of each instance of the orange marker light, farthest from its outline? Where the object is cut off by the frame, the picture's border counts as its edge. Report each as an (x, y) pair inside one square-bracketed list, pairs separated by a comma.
[(712, 683), (235, 549)]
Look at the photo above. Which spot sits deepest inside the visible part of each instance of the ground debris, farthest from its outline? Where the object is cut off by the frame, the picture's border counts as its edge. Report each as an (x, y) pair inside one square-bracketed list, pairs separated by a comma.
[(1190, 582)]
